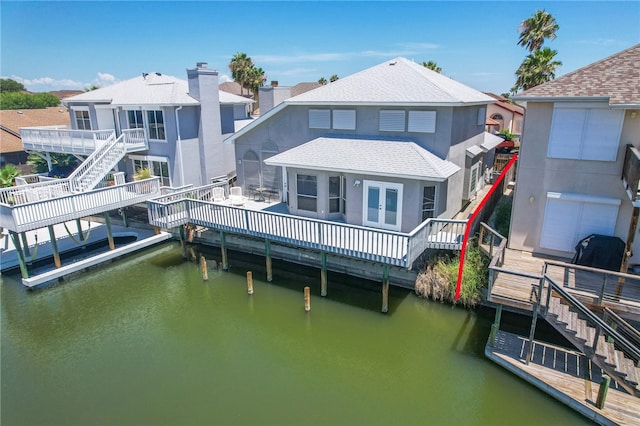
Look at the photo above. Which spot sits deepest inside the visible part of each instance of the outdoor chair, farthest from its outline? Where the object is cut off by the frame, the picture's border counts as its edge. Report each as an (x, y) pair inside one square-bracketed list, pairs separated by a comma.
[(235, 195), (218, 195)]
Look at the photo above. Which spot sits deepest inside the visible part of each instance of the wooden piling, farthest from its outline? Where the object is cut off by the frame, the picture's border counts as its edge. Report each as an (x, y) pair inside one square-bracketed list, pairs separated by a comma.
[(79, 228), (602, 392), (203, 267), (54, 246), (249, 282), (323, 274), (183, 242), (156, 230), (385, 289), (307, 299), (25, 243), (495, 327), (267, 249), (107, 222), (21, 259), (223, 250)]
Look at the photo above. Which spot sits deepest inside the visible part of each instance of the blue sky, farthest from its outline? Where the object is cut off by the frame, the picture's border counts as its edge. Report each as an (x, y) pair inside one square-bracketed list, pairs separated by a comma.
[(72, 45)]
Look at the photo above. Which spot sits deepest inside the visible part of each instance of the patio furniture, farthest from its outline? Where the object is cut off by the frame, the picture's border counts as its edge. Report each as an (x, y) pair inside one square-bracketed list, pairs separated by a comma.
[(218, 195), (235, 195)]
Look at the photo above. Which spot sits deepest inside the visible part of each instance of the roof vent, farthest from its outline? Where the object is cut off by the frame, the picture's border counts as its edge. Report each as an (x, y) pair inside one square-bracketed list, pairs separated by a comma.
[(201, 65), (158, 74), (393, 63), (145, 74)]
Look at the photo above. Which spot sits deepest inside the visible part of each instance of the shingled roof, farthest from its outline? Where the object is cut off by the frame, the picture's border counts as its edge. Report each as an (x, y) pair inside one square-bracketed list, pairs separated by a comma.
[(12, 120), (616, 78)]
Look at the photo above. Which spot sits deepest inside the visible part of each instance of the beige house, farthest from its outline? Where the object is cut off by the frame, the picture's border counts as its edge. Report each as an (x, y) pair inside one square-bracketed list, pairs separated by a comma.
[(578, 130), (504, 115)]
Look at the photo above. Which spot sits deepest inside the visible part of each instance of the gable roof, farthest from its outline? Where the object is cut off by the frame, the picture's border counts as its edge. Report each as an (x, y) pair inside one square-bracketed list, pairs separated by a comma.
[(505, 104), (616, 78), (396, 82), (403, 159), (11, 120), (149, 89)]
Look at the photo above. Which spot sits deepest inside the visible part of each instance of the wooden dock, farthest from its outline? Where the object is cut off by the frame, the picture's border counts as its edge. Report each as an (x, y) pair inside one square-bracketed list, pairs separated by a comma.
[(566, 375)]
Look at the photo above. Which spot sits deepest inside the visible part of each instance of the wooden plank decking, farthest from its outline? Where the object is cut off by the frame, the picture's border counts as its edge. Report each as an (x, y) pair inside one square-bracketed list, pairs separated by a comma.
[(567, 376)]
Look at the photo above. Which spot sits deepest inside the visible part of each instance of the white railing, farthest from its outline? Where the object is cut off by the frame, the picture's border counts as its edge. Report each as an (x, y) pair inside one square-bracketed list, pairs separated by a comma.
[(394, 248), (92, 169), (135, 140), (37, 214), (62, 139)]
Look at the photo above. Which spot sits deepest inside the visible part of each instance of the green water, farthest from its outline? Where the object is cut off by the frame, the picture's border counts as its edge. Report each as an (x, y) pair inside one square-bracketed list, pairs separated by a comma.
[(144, 341)]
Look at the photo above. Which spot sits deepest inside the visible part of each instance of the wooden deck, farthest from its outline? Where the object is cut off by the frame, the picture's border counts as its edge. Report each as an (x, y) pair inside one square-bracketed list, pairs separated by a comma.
[(516, 281), (567, 376)]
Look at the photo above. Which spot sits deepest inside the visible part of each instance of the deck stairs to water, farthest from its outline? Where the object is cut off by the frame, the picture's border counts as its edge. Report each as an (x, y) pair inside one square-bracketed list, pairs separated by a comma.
[(587, 339)]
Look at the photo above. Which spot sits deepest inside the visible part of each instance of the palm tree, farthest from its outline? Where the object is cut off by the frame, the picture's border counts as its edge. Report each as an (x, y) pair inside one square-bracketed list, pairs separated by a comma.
[(254, 79), (432, 65), (239, 65), (322, 81), (334, 78), (537, 68), (534, 30), (7, 175)]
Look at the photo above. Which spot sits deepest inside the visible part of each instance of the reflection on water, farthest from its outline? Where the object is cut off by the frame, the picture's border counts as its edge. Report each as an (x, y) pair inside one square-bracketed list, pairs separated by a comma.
[(144, 341)]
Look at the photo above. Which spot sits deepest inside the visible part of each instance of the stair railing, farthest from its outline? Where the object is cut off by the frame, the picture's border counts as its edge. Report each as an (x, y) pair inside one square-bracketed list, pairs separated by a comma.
[(92, 161)]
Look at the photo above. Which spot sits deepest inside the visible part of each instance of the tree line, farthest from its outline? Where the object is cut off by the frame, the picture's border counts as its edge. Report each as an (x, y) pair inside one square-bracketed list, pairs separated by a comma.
[(13, 95)]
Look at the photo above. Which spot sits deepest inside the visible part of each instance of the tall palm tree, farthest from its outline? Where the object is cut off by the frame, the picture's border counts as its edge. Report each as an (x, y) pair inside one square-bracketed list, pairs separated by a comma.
[(239, 66), (255, 79), (537, 68), (432, 65), (534, 30)]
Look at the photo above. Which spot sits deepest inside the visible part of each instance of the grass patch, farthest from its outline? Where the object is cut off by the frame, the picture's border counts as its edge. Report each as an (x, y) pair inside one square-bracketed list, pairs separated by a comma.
[(502, 216), (438, 281)]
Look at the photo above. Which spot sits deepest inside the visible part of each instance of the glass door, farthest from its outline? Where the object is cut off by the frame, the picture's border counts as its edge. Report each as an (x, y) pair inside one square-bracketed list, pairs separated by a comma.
[(382, 205)]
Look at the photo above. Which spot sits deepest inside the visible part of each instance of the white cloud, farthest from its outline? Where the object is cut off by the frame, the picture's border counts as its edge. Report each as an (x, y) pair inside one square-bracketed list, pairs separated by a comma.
[(45, 84), (223, 78), (419, 46)]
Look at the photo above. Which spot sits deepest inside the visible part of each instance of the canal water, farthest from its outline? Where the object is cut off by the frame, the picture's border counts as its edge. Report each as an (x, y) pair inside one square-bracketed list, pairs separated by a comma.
[(144, 341)]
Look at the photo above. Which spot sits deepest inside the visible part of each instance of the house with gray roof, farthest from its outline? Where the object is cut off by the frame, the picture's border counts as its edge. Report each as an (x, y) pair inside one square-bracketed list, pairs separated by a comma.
[(182, 124), (387, 147), (579, 160)]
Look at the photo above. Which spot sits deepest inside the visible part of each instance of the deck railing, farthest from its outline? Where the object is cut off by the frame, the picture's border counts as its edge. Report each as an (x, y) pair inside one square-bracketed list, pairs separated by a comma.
[(39, 213), (63, 139), (390, 247)]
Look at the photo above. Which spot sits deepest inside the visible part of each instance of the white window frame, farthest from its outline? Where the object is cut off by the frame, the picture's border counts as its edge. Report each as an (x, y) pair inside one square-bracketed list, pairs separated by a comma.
[(344, 119), (311, 197), (135, 124), (319, 118), (85, 119), (429, 212), (392, 120), (422, 121), (147, 116), (340, 196), (583, 131), (149, 161)]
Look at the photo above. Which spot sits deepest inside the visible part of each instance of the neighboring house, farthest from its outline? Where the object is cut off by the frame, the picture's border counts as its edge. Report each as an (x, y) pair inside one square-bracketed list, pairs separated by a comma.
[(183, 123), (504, 115), (572, 158), (273, 95), (244, 110), (11, 148), (388, 147)]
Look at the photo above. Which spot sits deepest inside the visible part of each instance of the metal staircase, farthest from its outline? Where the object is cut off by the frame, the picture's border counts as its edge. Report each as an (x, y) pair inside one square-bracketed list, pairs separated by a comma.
[(611, 343)]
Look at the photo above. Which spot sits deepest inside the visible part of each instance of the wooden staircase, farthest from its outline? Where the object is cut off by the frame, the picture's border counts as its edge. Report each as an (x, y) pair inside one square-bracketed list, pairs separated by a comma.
[(594, 345)]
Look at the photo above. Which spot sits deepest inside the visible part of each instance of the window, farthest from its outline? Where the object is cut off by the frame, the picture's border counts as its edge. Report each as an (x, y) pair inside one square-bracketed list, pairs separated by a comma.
[(585, 133), (344, 119), (319, 119), (392, 120), (156, 125), (135, 119), (307, 192), (428, 202), (82, 119), (422, 121), (482, 116), (159, 167), (337, 188)]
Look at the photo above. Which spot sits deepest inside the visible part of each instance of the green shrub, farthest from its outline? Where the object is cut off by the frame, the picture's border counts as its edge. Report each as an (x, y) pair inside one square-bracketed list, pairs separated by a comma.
[(503, 218), (439, 281)]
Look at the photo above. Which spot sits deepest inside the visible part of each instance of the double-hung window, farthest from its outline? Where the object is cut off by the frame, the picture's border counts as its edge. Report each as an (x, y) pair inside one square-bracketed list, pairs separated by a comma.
[(135, 119), (156, 125), (83, 122)]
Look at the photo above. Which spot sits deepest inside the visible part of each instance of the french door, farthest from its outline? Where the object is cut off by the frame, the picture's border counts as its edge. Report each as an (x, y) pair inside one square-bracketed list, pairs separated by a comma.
[(382, 205)]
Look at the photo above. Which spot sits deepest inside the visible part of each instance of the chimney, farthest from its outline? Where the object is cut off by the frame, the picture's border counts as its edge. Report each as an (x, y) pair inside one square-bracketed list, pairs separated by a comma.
[(274, 83)]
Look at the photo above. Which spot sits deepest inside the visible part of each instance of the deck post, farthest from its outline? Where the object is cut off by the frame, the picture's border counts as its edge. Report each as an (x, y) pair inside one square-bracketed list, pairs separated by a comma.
[(267, 251), (107, 221), (25, 243), (307, 299), (21, 260), (183, 242), (54, 246), (223, 250), (495, 327), (249, 282), (323, 274), (602, 391), (79, 227), (532, 333), (203, 268), (125, 219), (385, 289)]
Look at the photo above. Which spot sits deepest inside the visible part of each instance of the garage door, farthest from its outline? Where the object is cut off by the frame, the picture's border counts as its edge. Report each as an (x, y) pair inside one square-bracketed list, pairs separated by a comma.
[(570, 217)]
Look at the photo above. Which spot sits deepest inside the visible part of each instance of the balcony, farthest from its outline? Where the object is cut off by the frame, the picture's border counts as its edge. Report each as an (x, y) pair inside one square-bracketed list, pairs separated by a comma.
[(631, 174), (81, 142)]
